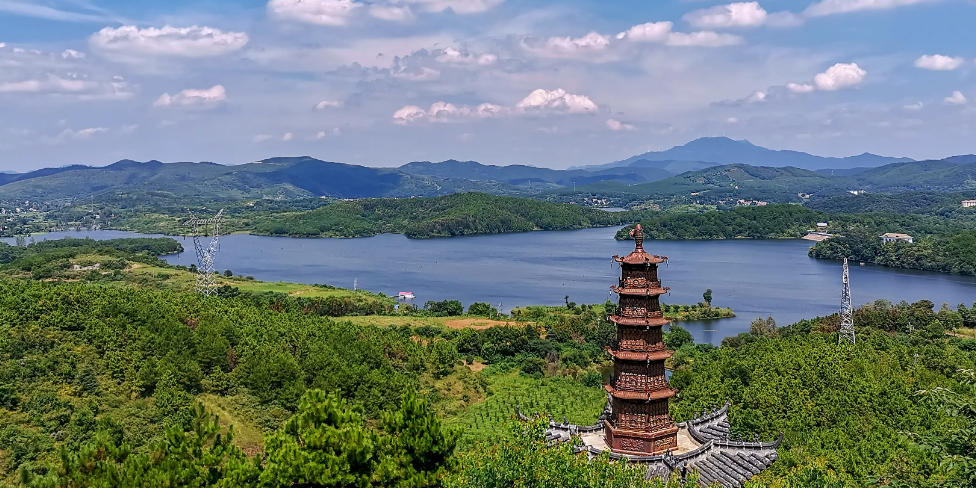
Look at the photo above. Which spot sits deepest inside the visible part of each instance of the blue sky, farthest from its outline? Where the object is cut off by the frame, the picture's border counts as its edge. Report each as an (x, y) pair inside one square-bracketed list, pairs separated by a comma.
[(536, 82)]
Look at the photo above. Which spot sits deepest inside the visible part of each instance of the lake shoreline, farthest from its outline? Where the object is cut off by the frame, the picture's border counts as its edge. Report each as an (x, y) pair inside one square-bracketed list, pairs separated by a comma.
[(756, 278)]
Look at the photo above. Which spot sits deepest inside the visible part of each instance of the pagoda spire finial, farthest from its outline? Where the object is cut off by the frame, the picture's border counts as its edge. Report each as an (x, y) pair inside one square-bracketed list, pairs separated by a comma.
[(638, 235)]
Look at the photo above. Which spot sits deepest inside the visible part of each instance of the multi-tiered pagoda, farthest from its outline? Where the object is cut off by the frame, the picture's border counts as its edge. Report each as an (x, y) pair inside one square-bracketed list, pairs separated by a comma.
[(639, 422), (635, 425)]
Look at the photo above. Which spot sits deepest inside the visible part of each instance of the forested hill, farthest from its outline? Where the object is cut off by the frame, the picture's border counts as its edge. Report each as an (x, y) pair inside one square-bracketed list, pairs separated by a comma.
[(725, 184), (292, 178), (99, 384), (451, 215), (288, 178)]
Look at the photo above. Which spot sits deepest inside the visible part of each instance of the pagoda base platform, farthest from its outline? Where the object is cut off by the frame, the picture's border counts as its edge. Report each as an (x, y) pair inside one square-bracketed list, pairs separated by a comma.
[(703, 444), (640, 443)]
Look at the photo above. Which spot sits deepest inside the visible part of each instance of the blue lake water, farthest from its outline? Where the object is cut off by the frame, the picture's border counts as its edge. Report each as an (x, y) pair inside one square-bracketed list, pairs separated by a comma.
[(755, 278)]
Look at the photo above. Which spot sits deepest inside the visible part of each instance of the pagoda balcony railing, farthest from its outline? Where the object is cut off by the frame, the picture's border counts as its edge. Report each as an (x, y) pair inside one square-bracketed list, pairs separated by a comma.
[(639, 383), (638, 346), (639, 312), (637, 283), (641, 422)]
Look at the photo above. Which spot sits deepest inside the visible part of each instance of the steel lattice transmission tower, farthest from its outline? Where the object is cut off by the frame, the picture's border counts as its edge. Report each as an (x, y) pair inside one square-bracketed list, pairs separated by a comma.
[(846, 311), (204, 228)]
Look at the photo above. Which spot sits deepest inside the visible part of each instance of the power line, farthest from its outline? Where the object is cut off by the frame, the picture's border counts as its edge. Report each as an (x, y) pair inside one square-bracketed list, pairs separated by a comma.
[(846, 311)]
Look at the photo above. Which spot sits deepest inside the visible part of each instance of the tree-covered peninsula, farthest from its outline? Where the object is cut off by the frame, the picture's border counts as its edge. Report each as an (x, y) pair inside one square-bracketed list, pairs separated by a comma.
[(457, 214), (943, 239), (451, 215)]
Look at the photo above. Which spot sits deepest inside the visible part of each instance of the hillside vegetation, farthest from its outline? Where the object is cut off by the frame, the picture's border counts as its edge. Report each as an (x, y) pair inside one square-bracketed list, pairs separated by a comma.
[(452, 215), (277, 178), (110, 374), (793, 221)]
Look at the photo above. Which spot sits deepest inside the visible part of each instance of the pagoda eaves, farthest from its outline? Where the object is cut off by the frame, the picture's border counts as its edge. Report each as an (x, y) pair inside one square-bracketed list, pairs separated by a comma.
[(636, 425)]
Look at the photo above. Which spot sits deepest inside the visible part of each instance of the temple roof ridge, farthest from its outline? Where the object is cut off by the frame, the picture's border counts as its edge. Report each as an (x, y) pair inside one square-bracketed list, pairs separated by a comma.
[(727, 462)]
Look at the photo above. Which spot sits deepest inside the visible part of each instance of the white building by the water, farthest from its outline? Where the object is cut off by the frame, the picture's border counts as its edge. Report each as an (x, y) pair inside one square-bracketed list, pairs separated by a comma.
[(896, 237)]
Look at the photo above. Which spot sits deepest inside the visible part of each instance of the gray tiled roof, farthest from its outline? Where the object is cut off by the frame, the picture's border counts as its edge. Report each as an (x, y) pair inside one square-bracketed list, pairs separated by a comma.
[(728, 463), (718, 459)]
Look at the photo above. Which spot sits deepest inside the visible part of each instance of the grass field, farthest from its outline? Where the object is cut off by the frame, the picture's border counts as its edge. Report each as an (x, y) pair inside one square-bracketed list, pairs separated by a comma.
[(555, 396), (185, 280), (247, 436), (452, 322), (293, 289)]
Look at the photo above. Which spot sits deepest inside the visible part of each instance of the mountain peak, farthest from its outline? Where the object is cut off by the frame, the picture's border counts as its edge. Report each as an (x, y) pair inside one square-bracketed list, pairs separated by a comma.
[(723, 150), (717, 141)]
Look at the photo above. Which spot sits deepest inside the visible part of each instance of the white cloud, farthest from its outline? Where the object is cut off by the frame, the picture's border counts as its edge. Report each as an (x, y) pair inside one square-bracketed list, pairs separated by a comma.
[(567, 46), (957, 98), (617, 125), (486, 110), (408, 114), (456, 56), (324, 104), (333, 131), (840, 76), (649, 32), (830, 7), (3, 45), (188, 98), (87, 133), (320, 12), (53, 84), (30, 9), (557, 99), (732, 120), (72, 135), (72, 54), (391, 12), (784, 19), (938, 62), (836, 77), (741, 14), (913, 106), (661, 32), (21, 86), (458, 6), (287, 137), (262, 137), (421, 73), (756, 97), (132, 43), (446, 112), (703, 39), (800, 87), (539, 101)]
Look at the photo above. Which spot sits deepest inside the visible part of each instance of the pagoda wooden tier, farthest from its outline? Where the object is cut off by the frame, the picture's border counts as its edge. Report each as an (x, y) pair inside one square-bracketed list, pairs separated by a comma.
[(639, 423)]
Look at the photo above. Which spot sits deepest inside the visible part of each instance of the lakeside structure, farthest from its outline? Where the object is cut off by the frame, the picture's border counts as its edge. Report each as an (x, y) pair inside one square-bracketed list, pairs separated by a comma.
[(968, 203), (636, 425), (890, 237)]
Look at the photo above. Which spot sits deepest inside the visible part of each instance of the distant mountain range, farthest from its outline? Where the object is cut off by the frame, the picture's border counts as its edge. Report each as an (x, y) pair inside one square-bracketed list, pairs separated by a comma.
[(722, 150), (706, 164), (788, 184)]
